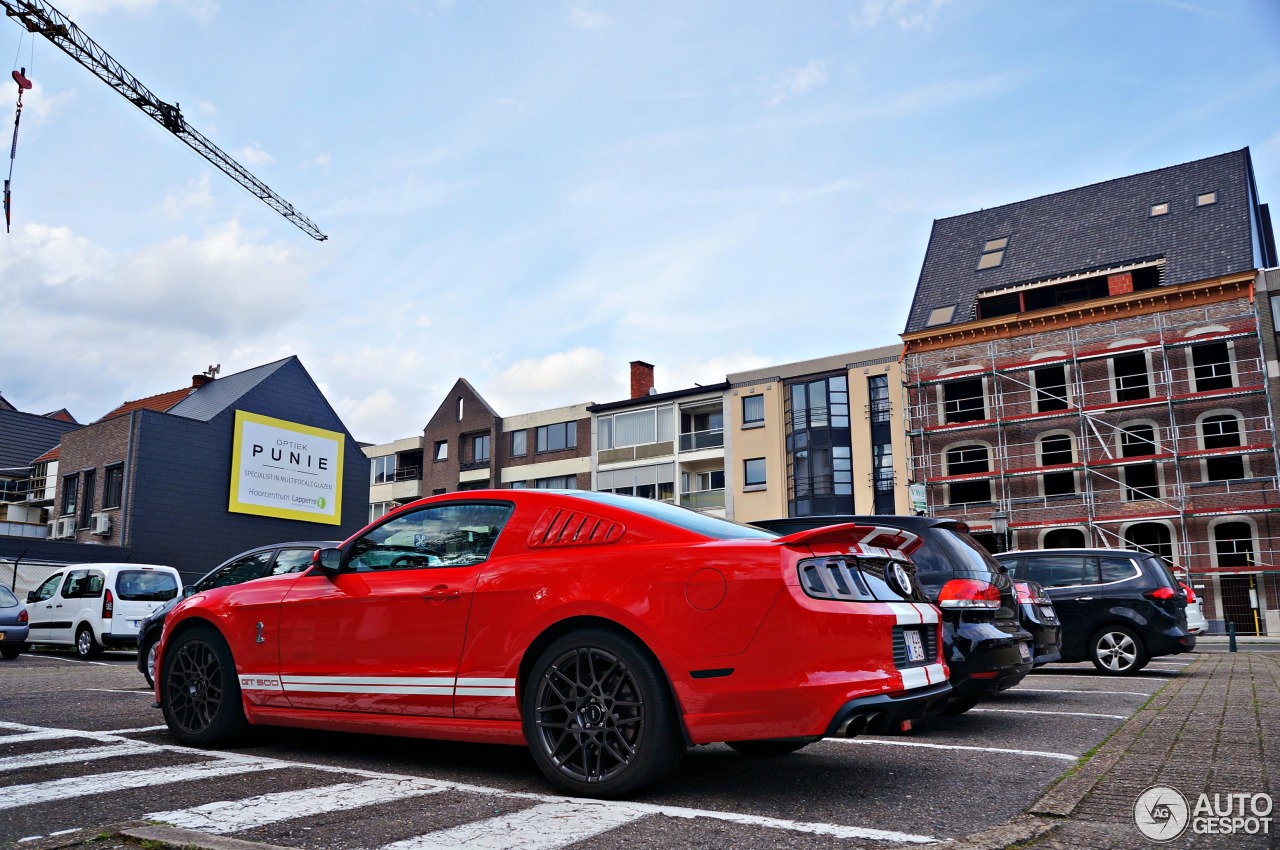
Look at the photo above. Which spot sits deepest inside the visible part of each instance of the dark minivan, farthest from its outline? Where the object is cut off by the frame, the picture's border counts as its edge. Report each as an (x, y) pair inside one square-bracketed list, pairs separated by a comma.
[(1119, 608), (985, 647)]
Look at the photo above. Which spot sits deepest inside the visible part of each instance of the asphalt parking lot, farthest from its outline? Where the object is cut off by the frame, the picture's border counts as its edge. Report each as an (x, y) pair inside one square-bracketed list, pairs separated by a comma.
[(81, 748)]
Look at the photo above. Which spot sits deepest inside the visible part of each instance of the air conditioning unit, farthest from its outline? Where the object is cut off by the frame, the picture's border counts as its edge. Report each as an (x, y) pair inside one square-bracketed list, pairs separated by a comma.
[(102, 524), (63, 528)]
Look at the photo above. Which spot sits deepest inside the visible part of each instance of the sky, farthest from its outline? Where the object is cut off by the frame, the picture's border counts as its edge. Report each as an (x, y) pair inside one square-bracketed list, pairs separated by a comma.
[(530, 195)]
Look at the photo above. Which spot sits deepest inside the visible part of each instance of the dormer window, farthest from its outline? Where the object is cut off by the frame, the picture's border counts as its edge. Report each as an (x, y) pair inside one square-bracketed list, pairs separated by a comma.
[(992, 253), (1160, 209), (1205, 199), (940, 316)]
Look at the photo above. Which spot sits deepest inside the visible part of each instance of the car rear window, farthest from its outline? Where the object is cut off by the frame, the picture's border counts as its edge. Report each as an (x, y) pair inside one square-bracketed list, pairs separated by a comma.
[(689, 520), (146, 586), (1160, 569), (7, 599), (949, 553)]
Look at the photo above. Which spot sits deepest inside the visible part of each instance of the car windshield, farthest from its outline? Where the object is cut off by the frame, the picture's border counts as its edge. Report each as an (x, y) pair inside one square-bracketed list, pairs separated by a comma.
[(950, 553), (7, 599), (689, 520), (146, 586)]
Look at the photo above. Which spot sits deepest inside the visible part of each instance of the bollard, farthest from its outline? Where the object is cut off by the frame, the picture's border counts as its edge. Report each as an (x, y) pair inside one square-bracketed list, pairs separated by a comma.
[(1231, 636)]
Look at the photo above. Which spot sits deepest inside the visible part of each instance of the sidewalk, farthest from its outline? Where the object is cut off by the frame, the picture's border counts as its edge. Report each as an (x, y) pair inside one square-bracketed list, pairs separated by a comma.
[(1213, 730)]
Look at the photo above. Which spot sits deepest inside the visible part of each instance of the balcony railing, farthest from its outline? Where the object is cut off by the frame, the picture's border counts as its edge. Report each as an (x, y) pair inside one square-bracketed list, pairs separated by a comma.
[(701, 500), (694, 440)]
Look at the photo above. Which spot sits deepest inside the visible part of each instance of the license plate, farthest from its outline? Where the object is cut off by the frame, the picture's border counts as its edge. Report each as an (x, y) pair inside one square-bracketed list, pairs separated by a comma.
[(915, 646), (1025, 650), (1048, 612)]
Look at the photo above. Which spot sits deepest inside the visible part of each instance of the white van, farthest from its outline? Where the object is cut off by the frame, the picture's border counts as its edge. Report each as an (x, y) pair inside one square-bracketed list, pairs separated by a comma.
[(97, 606)]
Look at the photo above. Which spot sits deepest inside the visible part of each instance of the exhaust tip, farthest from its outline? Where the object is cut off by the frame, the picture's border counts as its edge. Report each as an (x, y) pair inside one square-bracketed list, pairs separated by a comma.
[(854, 726)]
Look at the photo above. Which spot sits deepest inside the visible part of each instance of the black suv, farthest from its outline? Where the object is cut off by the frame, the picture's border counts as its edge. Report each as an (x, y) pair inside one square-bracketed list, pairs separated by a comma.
[(985, 647), (1119, 608), (273, 560)]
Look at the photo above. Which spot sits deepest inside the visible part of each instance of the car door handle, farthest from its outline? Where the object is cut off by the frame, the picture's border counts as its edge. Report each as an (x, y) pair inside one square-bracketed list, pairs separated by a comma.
[(442, 593), (1084, 599)]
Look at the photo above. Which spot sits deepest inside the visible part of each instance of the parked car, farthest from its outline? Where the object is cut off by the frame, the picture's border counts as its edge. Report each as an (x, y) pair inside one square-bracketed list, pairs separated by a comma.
[(1037, 615), (985, 647), (273, 560), (92, 606), (606, 632), (1119, 608), (1196, 623), (13, 625)]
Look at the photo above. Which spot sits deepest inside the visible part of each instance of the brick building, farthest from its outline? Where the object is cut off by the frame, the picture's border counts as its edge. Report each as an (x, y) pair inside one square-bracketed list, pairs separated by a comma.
[(1097, 367)]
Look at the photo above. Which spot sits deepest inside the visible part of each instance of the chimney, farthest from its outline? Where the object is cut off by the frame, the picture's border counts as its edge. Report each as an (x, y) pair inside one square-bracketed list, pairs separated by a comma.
[(641, 379), (198, 381)]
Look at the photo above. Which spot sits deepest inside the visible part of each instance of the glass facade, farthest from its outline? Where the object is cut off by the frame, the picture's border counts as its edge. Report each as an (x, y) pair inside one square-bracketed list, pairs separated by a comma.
[(819, 448)]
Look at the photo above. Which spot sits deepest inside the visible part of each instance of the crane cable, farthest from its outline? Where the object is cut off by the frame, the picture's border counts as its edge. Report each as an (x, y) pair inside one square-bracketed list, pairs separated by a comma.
[(19, 77)]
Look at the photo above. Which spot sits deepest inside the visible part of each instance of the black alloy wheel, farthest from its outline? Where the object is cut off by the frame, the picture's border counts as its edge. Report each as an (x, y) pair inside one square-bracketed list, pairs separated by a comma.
[(598, 717), (200, 693)]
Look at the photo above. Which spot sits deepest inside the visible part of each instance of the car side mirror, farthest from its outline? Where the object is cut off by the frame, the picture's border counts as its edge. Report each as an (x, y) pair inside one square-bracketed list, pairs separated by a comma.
[(328, 560), (187, 591), (31, 596)]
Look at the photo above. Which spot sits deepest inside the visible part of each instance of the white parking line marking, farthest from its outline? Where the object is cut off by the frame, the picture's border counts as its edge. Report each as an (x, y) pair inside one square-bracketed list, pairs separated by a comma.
[(1056, 713), (134, 731), (1021, 689), (64, 756), (74, 787), (1040, 675), (227, 816), (1036, 753), (70, 660), (119, 691), (543, 827)]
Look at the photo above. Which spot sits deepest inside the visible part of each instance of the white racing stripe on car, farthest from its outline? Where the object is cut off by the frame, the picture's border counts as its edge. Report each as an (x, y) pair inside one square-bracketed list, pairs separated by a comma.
[(919, 677), (876, 741), (74, 787), (396, 685), (1055, 713), (227, 816), (912, 613)]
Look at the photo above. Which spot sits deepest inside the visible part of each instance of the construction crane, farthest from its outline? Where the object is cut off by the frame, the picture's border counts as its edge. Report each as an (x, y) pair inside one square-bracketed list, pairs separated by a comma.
[(41, 18)]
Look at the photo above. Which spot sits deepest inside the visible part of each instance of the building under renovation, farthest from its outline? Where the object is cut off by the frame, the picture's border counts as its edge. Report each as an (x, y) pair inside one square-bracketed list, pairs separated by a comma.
[(1097, 367)]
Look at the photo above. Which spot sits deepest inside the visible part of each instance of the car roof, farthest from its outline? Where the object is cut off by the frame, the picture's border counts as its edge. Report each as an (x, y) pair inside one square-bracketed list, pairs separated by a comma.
[(1099, 551)]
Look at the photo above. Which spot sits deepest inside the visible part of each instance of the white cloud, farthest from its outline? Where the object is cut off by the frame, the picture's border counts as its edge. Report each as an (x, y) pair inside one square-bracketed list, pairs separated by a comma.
[(43, 106), (583, 18), (323, 160), (907, 14), (194, 195), (254, 155), (567, 377), (797, 81)]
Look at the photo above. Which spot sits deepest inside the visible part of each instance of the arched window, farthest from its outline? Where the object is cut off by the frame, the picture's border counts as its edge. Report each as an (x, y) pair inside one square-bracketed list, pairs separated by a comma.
[(1233, 544), (1141, 480), (1064, 538), (1222, 431), (1153, 537), (1056, 450), (968, 459)]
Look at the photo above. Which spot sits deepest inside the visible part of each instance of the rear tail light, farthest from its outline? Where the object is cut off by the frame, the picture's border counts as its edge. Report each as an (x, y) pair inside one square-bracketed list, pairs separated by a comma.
[(1191, 594), (22, 616), (1030, 594), (969, 593), (1161, 593), (108, 605)]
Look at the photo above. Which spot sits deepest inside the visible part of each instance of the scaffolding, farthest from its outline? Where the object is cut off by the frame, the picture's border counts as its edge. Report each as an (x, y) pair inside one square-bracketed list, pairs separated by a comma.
[(1156, 419)]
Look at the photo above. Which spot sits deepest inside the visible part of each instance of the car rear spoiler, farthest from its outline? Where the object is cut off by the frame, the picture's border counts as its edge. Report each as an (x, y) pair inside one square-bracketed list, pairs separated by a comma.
[(872, 540)]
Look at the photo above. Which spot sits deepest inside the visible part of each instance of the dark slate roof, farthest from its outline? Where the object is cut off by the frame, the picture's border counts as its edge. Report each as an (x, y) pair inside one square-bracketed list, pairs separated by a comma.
[(26, 436), (1095, 227), (206, 402)]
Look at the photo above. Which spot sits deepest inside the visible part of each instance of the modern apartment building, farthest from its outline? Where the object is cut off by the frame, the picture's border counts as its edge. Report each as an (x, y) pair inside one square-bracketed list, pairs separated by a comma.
[(818, 437), (1097, 367)]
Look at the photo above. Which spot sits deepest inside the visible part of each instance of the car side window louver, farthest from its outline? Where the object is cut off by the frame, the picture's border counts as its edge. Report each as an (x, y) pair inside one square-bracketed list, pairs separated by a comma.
[(573, 528)]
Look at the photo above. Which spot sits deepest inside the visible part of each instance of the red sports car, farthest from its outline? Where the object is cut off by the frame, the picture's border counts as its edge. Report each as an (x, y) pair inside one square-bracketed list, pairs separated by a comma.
[(608, 633)]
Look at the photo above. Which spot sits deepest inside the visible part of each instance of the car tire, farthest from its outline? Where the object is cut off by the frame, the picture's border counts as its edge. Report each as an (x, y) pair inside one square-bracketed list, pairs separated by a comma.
[(767, 748), (1117, 651), (147, 652), (199, 690), (10, 652), (960, 706), (599, 716), (86, 644)]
